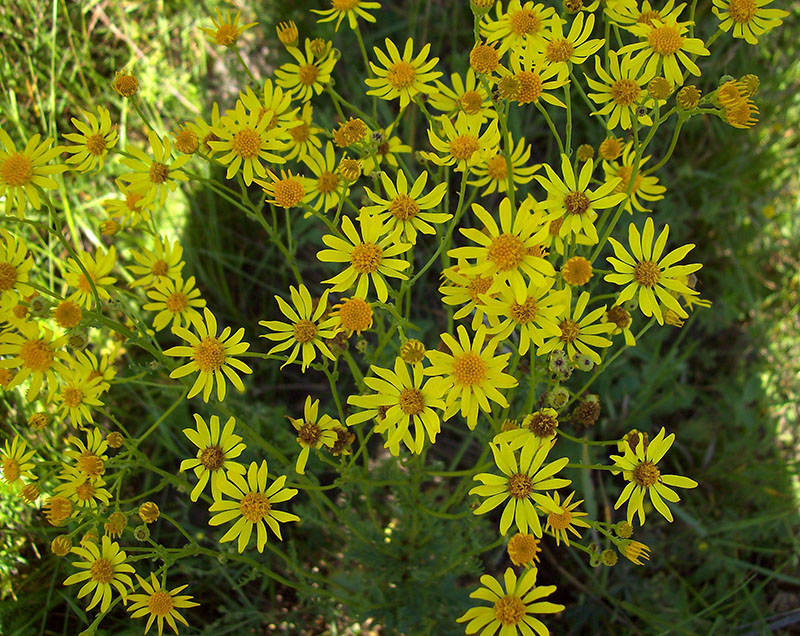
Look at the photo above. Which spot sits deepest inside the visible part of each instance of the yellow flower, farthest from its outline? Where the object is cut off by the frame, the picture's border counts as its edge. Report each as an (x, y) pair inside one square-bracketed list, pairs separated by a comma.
[(287, 33), (350, 9), (205, 131), (16, 463), (308, 327), (78, 393), (385, 150), (98, 269), (650, 274), (370, 257), (621, 90), (326, 188), (90, 458), (469, 290), (213, 356), (404, 211), (95, 367), (253, 503), (313, 431), (492, 172), (23, 171), (403, 76), (176, 302), (467, 96), (462, 144), (131, 208), (226, 31), (353, 315), (639, 467), (536, 77), (160, 604), (563, 518), (574, 48), (157, 266), (645, 186), (36, 355), (275, 105), (520, 26), (303, 134), (523, 549), (620, 319), (102, 568), (15, 267), (627, 13), (519, 485), (309, 76), (538, 428), (578, 332), (471, 374), (216, 451), (403, 406), (154, 176), (125, 84), (85, 491), (93, 142), (749, 18)]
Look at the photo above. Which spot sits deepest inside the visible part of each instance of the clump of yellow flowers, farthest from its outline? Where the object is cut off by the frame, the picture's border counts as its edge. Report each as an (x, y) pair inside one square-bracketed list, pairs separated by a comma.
[(540, 280)]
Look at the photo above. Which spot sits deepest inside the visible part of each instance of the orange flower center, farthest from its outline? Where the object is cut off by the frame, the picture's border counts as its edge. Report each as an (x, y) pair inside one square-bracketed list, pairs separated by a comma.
[(159, 268), (559, 521), (90, 465), (288, 192), (226, 35), (509, 610), (344, 5), (254, 506), (96, 144), (647, 17), (497, 168), (160, 603), (102, 571), (209, 354), (68, 314), (619, 316), (11, 471), (355, 315), (559, 50), (300, 134), (665, 40), (646, 273), (463, 146), (625, 92), (307, 74), (246, 143), (366, 258), (520, 485), (176, 302), (624, 173), (576, 202), (16, 170), (411, 401), (530, 87), (471, 102), (309, 434), (401, 74), (484, 58), (524, 22), (304, 331), (569, 330), (742, 11), (469, 369), (85, 491), (212, 457), (36, 355), (404, 207), (159, 172), (506, 252), (523, 313), (8, 276), (327, 182), (477, 286), (72, 397), (646, 474)]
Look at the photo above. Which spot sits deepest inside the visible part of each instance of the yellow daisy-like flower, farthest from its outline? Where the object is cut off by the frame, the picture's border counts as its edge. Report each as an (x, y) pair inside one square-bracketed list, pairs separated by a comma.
[(161, 604), (520, 484), (385, 150), (15, 267), (620, 320), (513, 608), (155, 176), (216, 451), (205, 131), (275, 104), (639, 467), (89, 458), (22, 171), (309, 76), (177, 302), (749, 18), (102, 568), (523, 549), (572, 198), (628, 13), (35, 354), (575, 48), (98, 269), (664, 44), (578, 333), (15, 462), (287, 191), (246, 140), (131, 208), (520, 26), (77, 395), (508, 253), (493, 171), (326, 188), (645, 186), (621, 90), (313, 431), (307, 330), (566, 519), (404, 211), (462, 144), (226, 31), (403, 76), (538, 428), (252, 503), (650, 273), (93, 142), (95, 367), (535, 78), (155, 267), (471, 375), (471, 290), (350, 9), (85, 491), (303, 134), (403, 406), (213, 356), (368, 258), (352, 315), (467, 96)]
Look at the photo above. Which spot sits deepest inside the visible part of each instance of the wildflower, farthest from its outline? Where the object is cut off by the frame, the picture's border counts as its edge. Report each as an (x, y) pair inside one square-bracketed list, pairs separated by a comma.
[(98, 269), (462, 144), (538, 428), (688, 97), (29, 493), (563, 52), (95, 367), (177, 302), (216, 451), (403, 76), (577, 271), (349, 168), (16, 462), (634, 551), (743, 114), (579, 332), (117, 522), (148, 512), (109, 227), (252, 503), (15, 267), (84, 491), (644, 186), (57, 510), (114, 439), (627, 14), (154, 177), (520, 26), (566, 519), (639, 467), (611, 148), (412, 351), (648, 273), (131, 208), (125, 84), (23, 172), (161, 604), (307, 329), (35, 354), (471, 291), (287, 33), (386, 149), (77, 395), (61, 545), (102, 568), (620, 90), (309, 76), (405, 211), (659, 88), (313, 431), (749, 19), (523, 549), (325, 189), (354, 315), (274, 105), (212, 356), (350, 9), (471, 374), (481, 7), (93, 142), (406, 403), (587, 412), (467, 96), (350, 132), (493, 171), (302, 134), (226, 31), (369, 257), (156, 266), (484, 59)]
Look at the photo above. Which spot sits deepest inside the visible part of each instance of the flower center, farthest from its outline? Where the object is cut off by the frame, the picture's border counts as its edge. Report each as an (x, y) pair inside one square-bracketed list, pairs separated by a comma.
[(469, 369), (523, 548), (401, 74), (509, 610), (559, 50), (132, 200), (309, 434), (8, 276), (36, 355), (404, 207), (497, 168), (559, 521), (307, 74), (102, 571), (288, 192), (160, 268), (625, 92), (576, 202), (366, 258), (11, 470), (83, 282), (327, 182), (524, 313), (646, 273), (542, 424), (577, 271), (411, 401), (209, 354), (300, 134), (85, 492), (463, 146), (16, 170), (90, 465), (484, 58), (742, 10), (212, 457), (68, 314), (246, 143), (344, 5), (506, 252), (96, 144), (72, 397), (520, 485), (646, 474), (254, 507), (186, 141), (569, 330), (524, 22), (304, 331), (226, 35), (477, 286), (159, 172), (647, 17), (530, 87), (624, 173), (619, 316), (177, 302), (355, 315), (126, 85), (665, 40), (160, 603), (471, 102)]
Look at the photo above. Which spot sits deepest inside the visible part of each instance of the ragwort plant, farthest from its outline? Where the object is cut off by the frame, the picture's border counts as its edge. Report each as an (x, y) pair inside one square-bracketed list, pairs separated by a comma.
[(538, 298)]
